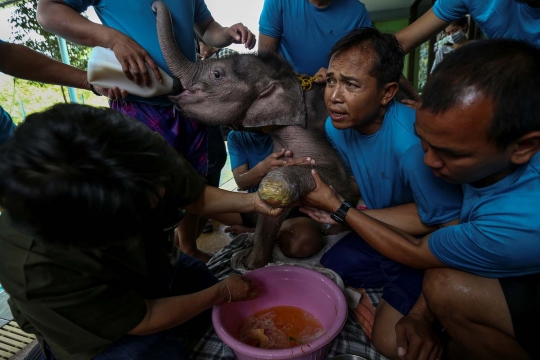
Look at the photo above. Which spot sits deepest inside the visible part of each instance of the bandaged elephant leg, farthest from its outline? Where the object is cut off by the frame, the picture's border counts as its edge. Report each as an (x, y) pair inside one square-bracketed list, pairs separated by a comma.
[(265, 238), (286, 185)]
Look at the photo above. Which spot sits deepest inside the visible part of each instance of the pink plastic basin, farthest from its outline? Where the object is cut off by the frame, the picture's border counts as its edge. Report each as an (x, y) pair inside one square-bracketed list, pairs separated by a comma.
[(285, 285)]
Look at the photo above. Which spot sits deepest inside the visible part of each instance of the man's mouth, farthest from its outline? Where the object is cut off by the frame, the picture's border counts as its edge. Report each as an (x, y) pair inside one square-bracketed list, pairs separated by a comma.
[(336, 114)]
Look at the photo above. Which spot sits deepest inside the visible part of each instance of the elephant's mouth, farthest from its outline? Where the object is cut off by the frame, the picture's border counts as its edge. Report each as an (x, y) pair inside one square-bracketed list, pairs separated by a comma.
[(188, 96)]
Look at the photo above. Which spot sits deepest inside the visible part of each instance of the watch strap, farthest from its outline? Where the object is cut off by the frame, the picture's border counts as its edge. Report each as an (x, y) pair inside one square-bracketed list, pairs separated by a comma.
[(339, 214)]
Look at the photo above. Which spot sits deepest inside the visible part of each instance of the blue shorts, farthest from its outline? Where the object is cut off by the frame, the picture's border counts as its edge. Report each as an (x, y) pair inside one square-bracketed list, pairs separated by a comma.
[(361, 266)]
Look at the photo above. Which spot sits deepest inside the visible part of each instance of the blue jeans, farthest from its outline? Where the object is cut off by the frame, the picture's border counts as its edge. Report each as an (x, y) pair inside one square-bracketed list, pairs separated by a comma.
[(190, 275)]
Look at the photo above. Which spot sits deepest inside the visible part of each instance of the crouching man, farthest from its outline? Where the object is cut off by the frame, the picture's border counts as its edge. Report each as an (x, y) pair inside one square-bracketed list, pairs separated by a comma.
[(480, 127), (90, 200)]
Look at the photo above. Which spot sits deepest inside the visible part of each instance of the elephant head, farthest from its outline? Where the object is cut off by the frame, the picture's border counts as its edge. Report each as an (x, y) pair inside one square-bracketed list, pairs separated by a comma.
[(243, 90)]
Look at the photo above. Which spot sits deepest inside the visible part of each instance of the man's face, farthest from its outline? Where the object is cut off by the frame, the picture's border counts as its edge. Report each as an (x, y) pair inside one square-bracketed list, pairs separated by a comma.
[(452, 29), (456, 143), (351, 94)]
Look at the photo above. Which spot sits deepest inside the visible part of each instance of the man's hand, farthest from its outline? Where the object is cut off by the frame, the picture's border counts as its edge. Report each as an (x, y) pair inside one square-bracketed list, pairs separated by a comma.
[(415, 339), (113, 93), (322, 197), (321, 75), (415, 104), (260, 206), (320, 216), (241, 288), (240, 34), (134, 59), (279, 159)]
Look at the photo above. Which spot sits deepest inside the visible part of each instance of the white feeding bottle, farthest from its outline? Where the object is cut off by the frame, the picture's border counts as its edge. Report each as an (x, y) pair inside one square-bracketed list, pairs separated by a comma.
[(105, 70)]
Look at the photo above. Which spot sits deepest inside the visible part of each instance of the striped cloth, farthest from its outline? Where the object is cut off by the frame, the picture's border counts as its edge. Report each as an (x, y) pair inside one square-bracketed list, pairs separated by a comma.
[(351, 339)]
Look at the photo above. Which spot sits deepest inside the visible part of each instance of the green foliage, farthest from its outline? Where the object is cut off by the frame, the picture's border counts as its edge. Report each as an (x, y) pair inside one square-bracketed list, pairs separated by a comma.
[(27, 31)]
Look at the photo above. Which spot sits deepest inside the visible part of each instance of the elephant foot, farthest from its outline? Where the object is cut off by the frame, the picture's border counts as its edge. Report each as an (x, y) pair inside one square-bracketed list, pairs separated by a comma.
[(255, 260), (277, 191)]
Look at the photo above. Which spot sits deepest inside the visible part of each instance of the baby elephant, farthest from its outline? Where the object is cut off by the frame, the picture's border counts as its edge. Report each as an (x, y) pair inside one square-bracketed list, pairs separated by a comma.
[(258, 92)]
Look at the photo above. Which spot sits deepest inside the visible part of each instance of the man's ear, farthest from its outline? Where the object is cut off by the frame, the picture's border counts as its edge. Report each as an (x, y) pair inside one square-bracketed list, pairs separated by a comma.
[(388, 92), (525, 148)]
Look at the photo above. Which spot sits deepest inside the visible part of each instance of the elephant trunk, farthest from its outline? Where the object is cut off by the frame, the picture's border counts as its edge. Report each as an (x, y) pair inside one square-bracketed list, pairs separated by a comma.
[(178, 64)]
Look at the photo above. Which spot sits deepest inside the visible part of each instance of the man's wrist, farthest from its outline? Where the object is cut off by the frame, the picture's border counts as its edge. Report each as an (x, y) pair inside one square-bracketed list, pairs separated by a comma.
[(340, 214)]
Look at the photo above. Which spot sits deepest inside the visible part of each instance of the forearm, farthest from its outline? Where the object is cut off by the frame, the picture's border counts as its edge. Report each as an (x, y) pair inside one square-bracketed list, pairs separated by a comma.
[(389, 241), (214, 201), (216, 35), (166, 313), (249, 179), (22, 62), (424, 28), (404, 217), (58, 18)]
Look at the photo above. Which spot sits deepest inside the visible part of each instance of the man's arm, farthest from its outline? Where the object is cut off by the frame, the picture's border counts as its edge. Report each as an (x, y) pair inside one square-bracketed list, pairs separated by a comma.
[(247, 178), (166, 313), (22, 62), (214, 201), (389, 241), (213, 34), (267, 43), (59, 18), (423, 29)]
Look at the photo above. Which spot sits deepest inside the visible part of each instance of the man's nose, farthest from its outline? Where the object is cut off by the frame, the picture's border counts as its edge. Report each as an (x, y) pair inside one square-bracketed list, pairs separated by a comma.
[(432, 160), (337, 94)]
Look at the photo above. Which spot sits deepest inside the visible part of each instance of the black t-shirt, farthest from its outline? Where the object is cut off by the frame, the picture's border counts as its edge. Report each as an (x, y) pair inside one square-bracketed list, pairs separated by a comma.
[(81, 301)]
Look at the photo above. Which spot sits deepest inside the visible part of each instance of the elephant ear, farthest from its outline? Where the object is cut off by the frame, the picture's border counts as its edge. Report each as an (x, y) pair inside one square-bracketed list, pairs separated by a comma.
[(277, 106)]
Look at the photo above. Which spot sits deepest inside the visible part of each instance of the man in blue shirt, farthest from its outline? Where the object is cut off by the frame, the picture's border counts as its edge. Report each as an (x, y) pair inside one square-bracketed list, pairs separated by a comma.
[(375, 137), (304, 31), (479, 127), (510, 19), (130, 31)]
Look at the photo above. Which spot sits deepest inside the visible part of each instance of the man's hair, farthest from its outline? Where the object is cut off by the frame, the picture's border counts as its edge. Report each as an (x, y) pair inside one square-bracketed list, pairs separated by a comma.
[(505, 71), (84, 176), (386, 51)]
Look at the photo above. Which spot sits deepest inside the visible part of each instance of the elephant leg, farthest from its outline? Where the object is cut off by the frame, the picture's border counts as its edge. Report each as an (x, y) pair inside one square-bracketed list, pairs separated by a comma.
[(286, 185), (265, 238)]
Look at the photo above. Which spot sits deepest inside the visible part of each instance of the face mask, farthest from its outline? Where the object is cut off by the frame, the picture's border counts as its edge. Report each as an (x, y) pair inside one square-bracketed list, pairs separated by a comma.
[(458, 37), (448, 40)]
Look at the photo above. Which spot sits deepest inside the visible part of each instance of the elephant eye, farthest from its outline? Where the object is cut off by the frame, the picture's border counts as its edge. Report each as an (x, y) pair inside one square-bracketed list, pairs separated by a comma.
[(217, 75)]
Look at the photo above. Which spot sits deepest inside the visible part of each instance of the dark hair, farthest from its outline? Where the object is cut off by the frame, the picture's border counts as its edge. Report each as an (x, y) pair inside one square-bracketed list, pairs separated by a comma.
[(464, 21), (506, 71), (387, 53), (82, 176)]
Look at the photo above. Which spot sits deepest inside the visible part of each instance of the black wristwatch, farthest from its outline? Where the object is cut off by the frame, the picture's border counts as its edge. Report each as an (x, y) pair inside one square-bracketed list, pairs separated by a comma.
[(340, 213)]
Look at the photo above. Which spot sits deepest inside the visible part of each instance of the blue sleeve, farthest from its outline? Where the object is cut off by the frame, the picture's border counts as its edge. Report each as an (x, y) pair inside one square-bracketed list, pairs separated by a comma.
[(271, 20), (438, 201), (235, 146), (335, 137), (486, 247), (6, 126), (450, 10), (201, 12), (81, 5)]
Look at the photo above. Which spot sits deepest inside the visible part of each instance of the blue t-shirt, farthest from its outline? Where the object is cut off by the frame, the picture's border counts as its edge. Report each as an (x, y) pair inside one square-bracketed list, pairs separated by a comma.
[(6, 126), (308, 33), (508, 19), (248, 148), (499, 233), (389, 168)]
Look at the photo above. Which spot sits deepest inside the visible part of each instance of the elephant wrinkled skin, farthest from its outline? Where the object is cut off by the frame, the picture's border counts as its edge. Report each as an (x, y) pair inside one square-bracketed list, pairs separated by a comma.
[(258, 92)]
